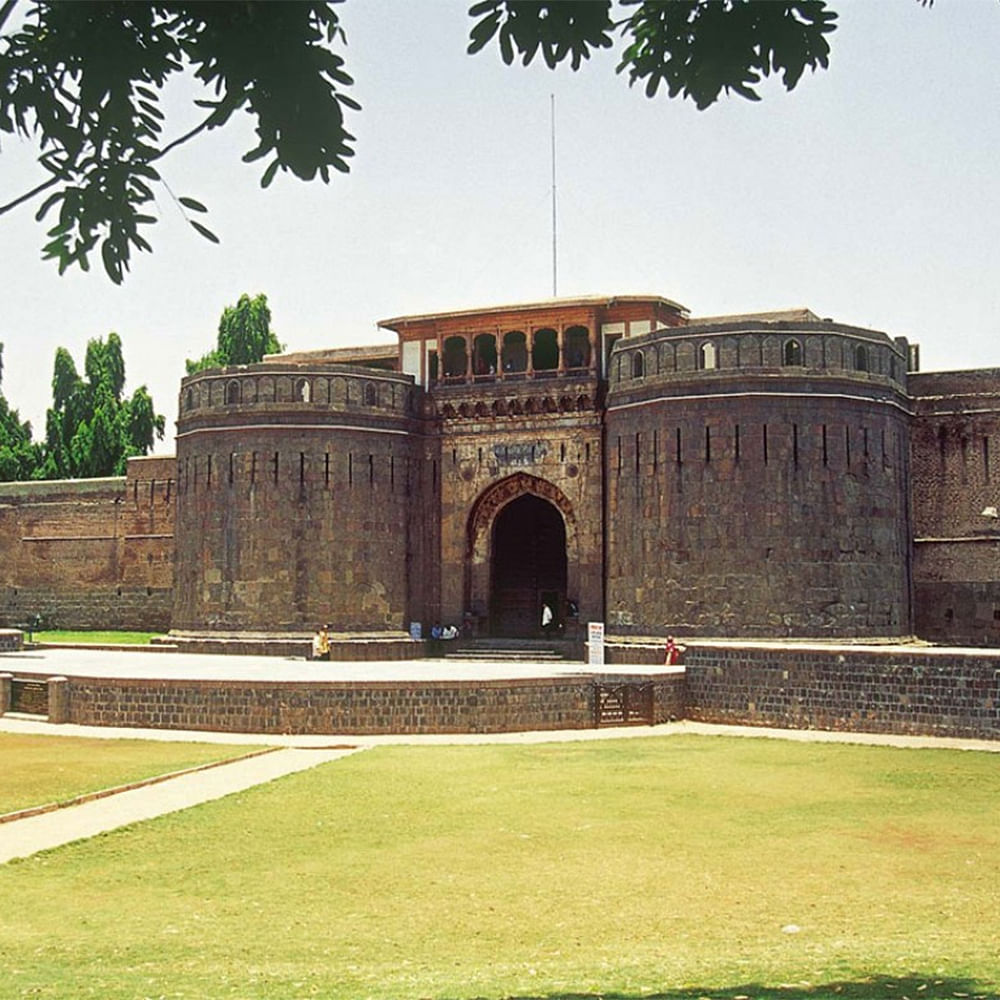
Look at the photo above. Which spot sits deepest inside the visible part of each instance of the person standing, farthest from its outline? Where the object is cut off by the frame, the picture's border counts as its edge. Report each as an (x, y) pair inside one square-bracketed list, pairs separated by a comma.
[(674, 652)]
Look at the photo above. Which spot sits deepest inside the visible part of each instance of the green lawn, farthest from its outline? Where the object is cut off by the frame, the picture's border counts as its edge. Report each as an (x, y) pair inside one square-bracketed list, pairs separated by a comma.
[(674, 867), (93, 636), (37, 770)]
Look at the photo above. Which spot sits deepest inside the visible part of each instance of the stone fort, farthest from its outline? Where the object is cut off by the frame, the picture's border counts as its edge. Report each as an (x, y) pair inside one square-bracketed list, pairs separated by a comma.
[(769, 475)]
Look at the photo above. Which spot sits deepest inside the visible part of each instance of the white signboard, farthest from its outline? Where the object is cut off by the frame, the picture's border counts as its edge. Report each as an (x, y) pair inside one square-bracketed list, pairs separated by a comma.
[(595, 644)]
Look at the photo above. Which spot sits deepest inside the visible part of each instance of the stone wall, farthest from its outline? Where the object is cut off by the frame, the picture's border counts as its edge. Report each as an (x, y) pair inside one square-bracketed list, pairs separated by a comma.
[(955, 486), (90, 553), (745, 500), (297, 493), (351, 708), (919, 691), (11, 640), (498, 442)]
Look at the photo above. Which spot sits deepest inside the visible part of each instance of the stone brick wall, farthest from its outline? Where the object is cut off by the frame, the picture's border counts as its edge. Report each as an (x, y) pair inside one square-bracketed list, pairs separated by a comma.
[(11, 640), (541, 436), (296, 493), (955, 478), (757, 501), (355, 708), (918, 691), (90, 553)]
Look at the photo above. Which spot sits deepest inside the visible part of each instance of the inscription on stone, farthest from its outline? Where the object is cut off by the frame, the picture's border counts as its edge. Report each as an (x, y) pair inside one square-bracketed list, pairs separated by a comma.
[(519, 454), (30, 697)]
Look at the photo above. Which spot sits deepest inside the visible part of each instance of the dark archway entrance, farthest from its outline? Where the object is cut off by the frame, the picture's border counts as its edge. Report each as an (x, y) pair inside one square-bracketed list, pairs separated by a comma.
[(528, 568)]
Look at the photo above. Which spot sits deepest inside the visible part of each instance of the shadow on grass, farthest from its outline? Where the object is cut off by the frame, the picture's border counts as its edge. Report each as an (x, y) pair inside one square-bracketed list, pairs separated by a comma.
[(875, 988)]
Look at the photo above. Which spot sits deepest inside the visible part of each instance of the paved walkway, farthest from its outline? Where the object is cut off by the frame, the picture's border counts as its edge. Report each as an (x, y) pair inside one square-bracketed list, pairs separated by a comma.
[(144, 665), (23, 837)]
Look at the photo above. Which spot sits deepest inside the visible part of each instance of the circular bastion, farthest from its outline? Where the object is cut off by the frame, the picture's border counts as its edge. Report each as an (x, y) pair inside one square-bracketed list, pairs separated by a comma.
[(757, 481), (293, 499)]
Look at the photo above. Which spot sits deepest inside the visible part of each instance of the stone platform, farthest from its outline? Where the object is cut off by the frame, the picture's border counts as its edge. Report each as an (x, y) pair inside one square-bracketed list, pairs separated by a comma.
[(284, 695)]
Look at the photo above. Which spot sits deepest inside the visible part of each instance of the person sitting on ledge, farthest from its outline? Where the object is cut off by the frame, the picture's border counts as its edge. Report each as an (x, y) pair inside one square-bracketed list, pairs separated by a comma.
[(321, 644)]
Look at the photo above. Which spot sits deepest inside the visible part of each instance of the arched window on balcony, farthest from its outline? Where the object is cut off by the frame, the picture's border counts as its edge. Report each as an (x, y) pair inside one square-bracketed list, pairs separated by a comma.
[(791, 353), (638, 364), (456, 362), (189, 399), (484, 355), (544, 350), (708, 356), (233, 392), (371, 394), (861, 363), (576, 348), (515, 352), (303, 391)]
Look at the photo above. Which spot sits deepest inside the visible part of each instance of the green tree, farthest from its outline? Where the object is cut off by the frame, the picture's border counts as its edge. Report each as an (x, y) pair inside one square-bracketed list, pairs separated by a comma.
[(19, 456), (91, 430), (245, 336), (696, 48), (84, 79)]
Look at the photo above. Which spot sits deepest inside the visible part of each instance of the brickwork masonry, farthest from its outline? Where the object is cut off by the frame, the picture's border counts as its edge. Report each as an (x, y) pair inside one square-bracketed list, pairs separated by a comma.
[(920, 691), (356, 708)]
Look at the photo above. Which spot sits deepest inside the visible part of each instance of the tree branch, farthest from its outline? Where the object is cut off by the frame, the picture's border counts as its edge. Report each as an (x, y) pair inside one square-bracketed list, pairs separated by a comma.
[(27, 196), (6, 10), (181, 139)]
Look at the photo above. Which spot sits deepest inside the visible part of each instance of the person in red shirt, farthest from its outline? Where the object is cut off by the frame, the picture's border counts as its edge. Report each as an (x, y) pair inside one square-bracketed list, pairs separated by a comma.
[(674, 652)]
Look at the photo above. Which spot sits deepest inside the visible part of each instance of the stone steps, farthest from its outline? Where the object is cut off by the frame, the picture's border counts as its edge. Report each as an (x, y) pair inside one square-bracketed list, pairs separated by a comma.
[(505, 651)]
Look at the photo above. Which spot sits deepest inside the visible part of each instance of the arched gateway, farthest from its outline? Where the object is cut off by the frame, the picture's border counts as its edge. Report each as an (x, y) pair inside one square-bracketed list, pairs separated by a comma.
[(521, 556)]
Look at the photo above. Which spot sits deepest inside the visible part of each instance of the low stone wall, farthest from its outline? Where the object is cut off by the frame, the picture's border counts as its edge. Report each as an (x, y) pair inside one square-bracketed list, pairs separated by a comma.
[(916, 691), (361, 708), (920, 691), (11, 640), (393, 647)]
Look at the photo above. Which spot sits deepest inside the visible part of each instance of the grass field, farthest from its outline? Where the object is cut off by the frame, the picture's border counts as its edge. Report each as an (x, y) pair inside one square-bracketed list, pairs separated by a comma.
[(674, 868), (37, 770), (93, 636)]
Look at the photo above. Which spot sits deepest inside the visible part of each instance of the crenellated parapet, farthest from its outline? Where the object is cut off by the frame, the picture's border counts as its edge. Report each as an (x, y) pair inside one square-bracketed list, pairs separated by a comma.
[(758, 481), (712, 352), (268, 388)]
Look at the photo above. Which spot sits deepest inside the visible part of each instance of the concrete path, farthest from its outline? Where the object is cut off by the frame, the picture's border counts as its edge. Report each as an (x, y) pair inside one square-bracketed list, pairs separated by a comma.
[(23, 837)]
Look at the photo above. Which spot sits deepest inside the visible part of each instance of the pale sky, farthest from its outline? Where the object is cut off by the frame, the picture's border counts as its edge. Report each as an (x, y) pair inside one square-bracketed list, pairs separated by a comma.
[(868, 194)]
